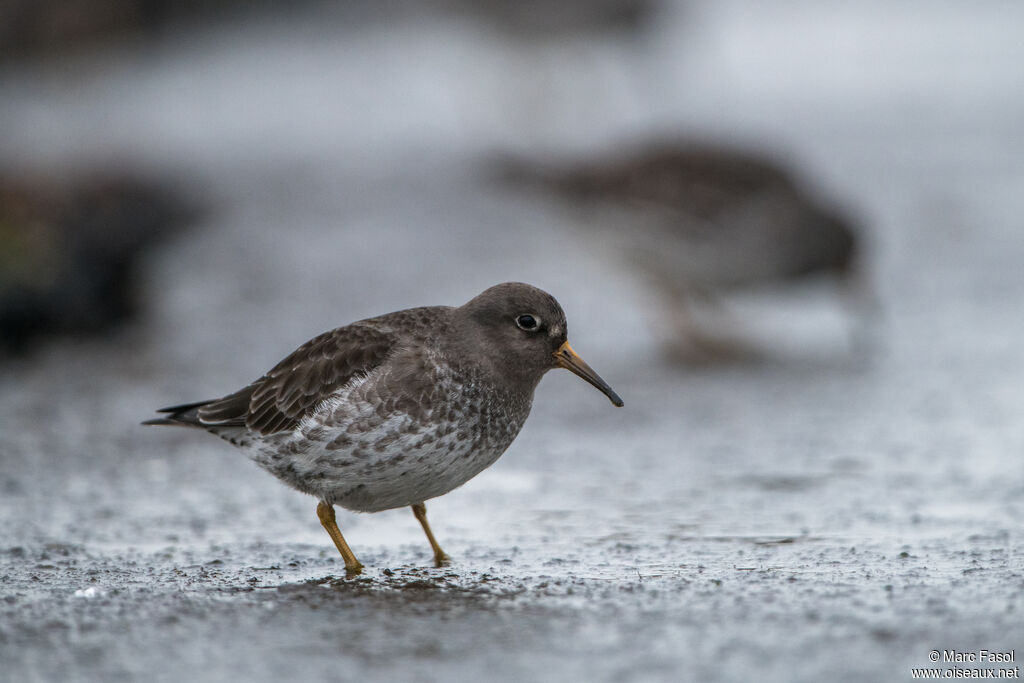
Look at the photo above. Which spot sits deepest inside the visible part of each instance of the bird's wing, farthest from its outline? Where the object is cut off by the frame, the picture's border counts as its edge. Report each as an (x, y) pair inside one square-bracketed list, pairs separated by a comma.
[(281, 398)]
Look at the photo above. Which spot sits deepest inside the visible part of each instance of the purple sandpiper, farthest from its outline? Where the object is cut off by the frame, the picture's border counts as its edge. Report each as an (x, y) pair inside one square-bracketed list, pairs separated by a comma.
[(395, 410), (701, 220)]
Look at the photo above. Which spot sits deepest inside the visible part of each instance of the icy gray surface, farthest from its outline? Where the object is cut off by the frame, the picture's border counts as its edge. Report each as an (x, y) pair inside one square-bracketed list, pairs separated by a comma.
[(818, 516)]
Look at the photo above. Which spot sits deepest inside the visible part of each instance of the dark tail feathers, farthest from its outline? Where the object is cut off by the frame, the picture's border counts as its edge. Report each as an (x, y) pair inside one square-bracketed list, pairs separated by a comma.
[(185, 415)]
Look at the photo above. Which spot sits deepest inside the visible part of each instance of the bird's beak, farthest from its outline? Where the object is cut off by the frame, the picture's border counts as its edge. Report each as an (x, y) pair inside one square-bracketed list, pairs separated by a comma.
[(566, 358)]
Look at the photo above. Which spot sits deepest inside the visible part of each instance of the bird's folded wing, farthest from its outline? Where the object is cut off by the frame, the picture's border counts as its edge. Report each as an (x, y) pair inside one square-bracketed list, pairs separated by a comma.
[(281, 398)]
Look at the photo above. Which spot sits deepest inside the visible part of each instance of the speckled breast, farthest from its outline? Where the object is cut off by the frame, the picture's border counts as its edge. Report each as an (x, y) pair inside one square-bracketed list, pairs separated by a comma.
[(368, 448)]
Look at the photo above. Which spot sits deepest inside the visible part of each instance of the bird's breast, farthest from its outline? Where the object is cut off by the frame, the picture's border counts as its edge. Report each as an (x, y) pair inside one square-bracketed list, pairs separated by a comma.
[(367, 453)]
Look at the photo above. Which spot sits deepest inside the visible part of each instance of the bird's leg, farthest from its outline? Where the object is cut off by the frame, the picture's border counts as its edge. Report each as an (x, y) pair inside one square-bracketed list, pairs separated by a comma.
[(865, 308), (326, 514), (691, 342), (440, 558)]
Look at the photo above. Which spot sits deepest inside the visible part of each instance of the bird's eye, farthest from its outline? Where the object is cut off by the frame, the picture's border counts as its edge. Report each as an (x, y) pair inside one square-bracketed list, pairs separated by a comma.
[(527, 322)]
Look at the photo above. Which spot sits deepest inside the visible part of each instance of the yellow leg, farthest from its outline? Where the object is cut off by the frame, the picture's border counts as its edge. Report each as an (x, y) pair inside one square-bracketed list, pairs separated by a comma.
[(326, 514), (440, 558)]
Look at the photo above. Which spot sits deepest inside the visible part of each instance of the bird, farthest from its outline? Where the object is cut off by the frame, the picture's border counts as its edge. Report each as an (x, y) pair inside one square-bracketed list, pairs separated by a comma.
[(699, 220), (392, 411)]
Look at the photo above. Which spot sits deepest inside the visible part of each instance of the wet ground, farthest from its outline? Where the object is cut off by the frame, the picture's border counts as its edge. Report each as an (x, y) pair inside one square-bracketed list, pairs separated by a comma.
[(821, 515)]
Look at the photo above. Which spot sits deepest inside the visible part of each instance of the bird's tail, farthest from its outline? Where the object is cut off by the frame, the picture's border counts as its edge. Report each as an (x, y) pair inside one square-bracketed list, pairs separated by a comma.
[(185, 415)]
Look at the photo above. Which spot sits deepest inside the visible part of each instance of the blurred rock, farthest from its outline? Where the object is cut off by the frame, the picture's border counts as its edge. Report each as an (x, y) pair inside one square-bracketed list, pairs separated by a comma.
[(48, 27), (697, 220), (68, 251), (40, 28), (552, 17)]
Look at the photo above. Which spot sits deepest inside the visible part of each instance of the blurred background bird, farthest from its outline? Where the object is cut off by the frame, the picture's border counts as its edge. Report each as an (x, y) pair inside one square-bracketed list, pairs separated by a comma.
[(697, 221)]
